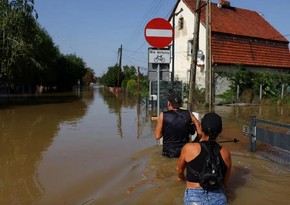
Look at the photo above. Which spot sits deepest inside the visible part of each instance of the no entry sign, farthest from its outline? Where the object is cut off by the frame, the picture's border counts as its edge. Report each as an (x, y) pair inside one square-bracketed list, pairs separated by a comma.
[(158, 33)]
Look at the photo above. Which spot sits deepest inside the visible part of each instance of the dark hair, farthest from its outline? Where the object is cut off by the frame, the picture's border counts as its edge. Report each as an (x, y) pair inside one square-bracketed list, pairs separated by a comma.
[(212, 133), (175, 100), (211, 124)]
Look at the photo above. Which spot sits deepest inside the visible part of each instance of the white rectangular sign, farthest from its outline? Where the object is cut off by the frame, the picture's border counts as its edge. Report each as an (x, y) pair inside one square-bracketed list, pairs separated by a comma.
[(159, 32), (159, 56), (246, 130)]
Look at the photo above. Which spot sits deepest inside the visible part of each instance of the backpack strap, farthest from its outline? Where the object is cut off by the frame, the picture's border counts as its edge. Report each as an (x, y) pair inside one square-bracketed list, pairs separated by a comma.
[(213, 146), (204, 146), (189, 124)]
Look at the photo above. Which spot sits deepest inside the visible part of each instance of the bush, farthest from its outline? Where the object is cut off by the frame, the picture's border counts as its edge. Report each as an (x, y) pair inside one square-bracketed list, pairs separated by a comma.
[(132, 87), (249, 85)]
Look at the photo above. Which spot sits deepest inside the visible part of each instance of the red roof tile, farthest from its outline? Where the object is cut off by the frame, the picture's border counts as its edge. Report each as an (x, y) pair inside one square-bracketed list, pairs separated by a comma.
[(242, 36), (243, 22), (229, 49)]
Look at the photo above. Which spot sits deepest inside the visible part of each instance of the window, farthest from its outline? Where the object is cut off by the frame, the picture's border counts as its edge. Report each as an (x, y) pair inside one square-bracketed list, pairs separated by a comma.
[(190, 47), (180, 23)]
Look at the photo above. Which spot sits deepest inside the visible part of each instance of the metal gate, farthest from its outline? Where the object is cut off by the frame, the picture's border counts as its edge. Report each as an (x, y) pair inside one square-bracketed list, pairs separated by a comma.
[(272, 139)]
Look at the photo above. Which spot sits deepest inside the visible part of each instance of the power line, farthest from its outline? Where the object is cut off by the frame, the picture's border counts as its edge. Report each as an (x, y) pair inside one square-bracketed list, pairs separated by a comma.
[(148, 13), (133, 51), (151, 11)]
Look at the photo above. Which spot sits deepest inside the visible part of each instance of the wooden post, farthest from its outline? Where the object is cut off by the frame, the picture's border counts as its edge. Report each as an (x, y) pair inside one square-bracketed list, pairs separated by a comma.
[(209, 72), (194, 57)]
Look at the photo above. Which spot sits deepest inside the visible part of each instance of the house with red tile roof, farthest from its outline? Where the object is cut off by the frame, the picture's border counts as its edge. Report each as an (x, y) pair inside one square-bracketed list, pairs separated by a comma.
[(238, 37)]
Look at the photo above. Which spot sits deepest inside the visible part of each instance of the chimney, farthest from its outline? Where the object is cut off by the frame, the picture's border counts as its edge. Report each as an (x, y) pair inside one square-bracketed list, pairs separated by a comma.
[(224, 3), (220, 4)]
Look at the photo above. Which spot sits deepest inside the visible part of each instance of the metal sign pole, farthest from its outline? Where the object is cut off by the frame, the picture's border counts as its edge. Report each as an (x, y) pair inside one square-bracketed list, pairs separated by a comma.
[(158, 89), (160, 141)]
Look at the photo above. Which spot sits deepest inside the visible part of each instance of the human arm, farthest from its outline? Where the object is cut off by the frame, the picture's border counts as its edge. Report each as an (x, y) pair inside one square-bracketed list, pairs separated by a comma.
[(197, 125), (181, 164), (158, 129)]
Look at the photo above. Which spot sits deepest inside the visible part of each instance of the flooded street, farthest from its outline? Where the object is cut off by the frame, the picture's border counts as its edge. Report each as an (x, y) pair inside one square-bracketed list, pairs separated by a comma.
[(92, 147)]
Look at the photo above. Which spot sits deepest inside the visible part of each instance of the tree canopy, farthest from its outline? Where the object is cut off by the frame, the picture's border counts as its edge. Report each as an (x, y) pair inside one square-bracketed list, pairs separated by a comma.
[(128, 78), (28, 54)]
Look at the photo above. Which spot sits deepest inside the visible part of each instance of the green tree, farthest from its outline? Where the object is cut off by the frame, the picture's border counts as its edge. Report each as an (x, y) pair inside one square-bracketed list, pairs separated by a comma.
[(46, 54), (89, 76), (113, 77), (132, 87), (70, 71), (28, 56), (129, 73), (18, 28)]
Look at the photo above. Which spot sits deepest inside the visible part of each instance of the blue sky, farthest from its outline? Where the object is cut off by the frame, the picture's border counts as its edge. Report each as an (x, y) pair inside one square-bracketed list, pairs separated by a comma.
[(95, 29)]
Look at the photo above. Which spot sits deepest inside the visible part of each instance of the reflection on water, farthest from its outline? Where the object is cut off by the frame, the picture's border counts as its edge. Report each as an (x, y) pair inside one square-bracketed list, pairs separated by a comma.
[(94, 147), (52, 145), (26, 131)]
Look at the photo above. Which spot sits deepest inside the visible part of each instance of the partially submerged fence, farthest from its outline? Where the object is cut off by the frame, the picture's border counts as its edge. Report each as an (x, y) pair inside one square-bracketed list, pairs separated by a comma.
[(273, 138), (285, 91)]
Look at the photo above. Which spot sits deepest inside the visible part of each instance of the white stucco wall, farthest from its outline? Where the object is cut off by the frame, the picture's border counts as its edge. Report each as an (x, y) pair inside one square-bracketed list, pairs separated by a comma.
[(182, 36)]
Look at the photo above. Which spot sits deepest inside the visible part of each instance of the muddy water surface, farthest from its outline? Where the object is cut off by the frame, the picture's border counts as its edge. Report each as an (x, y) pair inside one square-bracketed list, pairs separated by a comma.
[(98, 148)]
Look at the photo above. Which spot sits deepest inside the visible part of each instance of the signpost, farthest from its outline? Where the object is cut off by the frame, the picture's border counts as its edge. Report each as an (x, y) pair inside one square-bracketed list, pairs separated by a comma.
[(162, 57), (158, 33), (159, 56)]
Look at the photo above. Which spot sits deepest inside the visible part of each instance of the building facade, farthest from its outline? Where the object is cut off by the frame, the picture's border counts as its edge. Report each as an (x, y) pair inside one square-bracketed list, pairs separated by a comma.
[(238, 37)]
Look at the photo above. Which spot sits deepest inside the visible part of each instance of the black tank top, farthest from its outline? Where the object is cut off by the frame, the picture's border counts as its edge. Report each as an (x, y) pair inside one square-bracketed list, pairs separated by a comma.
[(195, 166), (174, 131)]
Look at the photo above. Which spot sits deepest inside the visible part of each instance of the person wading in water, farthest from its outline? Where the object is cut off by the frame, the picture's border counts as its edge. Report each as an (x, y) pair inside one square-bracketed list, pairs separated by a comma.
[(193, 158), (173, 126)]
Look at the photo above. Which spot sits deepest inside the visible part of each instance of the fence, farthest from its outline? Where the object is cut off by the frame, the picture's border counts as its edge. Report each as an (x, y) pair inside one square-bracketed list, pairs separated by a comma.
[(285, 91), (273, 139), (166, 88)]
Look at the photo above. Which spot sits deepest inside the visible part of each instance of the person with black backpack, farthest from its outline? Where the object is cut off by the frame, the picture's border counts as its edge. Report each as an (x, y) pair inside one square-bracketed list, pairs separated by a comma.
[(207, 164), (175, 126)]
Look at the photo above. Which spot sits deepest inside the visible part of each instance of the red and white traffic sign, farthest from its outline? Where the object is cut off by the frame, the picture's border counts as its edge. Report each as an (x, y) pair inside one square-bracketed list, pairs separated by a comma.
[(158, 33)]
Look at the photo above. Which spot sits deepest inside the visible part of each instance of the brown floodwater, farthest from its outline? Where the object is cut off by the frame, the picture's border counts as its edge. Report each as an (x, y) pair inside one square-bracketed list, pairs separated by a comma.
[(93, 147)]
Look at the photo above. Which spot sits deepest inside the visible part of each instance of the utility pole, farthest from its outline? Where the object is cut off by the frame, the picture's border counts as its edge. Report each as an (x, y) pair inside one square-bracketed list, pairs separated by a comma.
[(120, 60), (209, 72), (138, 83), (173, 46), (194, 56), (119, 64)]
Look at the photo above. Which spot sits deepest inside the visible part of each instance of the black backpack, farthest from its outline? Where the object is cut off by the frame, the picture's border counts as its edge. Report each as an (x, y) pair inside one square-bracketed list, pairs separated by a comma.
[(211, 176), (189, 124)]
